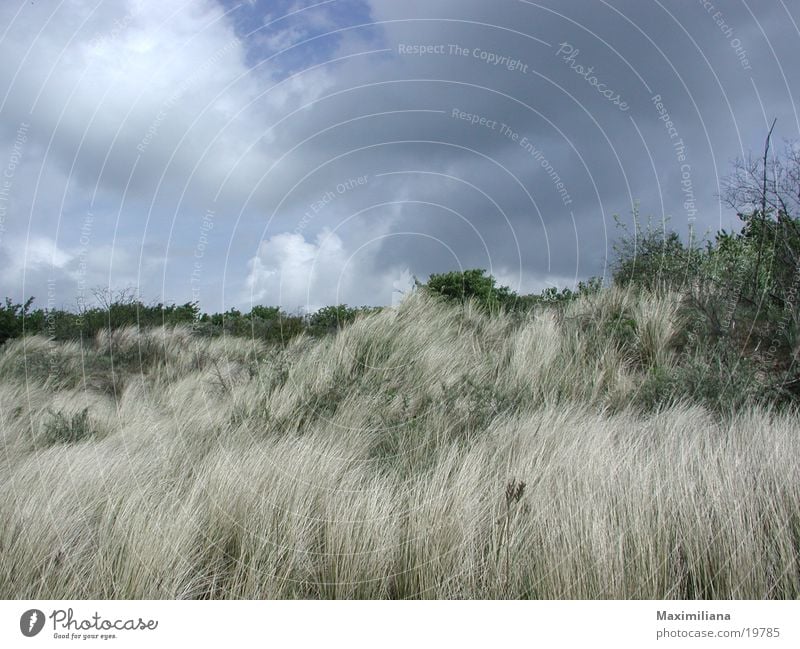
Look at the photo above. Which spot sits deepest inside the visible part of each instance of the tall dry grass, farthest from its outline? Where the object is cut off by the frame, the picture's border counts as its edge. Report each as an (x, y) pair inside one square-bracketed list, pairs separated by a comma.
[(375, 463)]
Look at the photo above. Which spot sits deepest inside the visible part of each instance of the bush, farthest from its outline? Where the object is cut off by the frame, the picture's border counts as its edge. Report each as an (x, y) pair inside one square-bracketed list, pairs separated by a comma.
[(740, 302), (471, 284), (64, 429), (11, 319), (654, 258), (331, 318)]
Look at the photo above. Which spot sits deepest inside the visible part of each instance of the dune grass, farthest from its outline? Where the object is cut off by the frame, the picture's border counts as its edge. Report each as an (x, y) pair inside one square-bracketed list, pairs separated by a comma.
[(377, 463)]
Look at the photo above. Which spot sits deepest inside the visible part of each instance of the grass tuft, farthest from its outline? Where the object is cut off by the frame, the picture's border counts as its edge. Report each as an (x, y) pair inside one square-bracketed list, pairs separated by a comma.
[(378, 462)]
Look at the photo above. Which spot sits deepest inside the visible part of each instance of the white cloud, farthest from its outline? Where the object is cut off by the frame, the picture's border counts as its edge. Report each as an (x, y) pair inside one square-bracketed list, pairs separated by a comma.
[(143, 78), (306, 275), (293, 272), (38, 252), (104, 84), (40, 267)]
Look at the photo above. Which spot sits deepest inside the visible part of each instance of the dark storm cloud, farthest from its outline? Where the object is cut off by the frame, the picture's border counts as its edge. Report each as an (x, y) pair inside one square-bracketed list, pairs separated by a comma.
[(703, 65)]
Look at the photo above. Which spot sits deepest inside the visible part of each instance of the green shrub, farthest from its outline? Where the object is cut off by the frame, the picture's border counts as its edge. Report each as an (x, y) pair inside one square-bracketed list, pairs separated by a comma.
[(475, 284), (11, 318), (331, 318), (66, 429), (654, 258)]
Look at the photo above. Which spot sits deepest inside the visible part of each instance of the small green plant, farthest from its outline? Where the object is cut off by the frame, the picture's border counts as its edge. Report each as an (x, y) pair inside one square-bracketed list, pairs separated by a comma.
[(65, 429), (514, 491), (219, 379), (653, 256)]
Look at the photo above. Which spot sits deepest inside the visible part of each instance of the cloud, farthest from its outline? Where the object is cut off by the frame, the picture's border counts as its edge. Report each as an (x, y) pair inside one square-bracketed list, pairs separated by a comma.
[(136, 112), (147, 114), (147, 84), (36, 253), (303, 275)]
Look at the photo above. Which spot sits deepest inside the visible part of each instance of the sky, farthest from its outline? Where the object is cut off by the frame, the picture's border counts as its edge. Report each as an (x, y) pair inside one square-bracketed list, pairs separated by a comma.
[(307, 153)]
